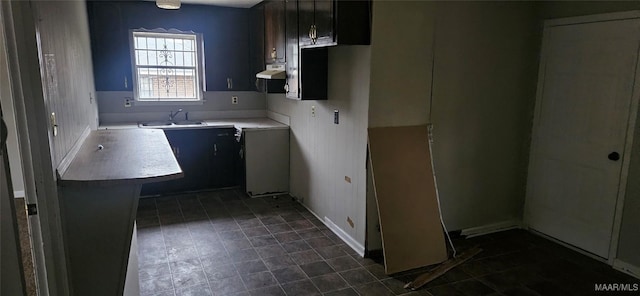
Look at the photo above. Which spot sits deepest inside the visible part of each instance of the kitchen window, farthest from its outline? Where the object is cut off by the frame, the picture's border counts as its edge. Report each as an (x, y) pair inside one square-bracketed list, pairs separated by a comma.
[(167, 66)]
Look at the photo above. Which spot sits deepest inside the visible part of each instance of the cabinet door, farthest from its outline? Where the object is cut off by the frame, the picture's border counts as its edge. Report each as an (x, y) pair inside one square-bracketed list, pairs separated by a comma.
[(191, 153), (226, 49), (109, 47), (306, 21), (324, 21), (292, 53), (186, 148), (224, 156), (274, 30), (257, 46)]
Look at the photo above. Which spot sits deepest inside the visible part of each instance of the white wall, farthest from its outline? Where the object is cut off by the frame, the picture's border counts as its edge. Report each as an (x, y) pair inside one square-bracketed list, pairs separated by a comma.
[(66, 62), (401, 62), (323, 153), (483, 96), (469, 68)]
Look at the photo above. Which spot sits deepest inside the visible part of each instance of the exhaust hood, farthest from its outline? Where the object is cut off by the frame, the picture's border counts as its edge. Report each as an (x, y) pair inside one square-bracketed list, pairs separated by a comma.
[(273, 72)]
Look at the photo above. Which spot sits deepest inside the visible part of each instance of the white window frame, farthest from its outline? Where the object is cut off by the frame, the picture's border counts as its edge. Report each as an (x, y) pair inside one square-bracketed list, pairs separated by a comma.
[(199, 68)]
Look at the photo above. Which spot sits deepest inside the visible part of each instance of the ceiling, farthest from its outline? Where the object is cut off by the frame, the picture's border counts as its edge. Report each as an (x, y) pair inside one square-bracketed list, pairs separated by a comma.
[(228, 3)]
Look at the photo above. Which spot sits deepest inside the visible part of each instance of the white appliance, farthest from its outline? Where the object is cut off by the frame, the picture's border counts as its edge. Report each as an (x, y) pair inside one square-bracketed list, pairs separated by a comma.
[(274, 71), (266, 158)]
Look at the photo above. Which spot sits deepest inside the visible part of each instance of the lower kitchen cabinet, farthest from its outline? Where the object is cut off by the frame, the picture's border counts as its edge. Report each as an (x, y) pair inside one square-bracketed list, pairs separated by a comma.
[(208, 157), (223, 159)]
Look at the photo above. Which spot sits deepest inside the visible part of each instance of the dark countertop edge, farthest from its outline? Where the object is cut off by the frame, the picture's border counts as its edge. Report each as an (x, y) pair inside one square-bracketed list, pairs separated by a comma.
[(118, 182)]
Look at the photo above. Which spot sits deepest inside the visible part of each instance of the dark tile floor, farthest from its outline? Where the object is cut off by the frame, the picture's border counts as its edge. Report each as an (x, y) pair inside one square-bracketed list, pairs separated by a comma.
[(223, 243)]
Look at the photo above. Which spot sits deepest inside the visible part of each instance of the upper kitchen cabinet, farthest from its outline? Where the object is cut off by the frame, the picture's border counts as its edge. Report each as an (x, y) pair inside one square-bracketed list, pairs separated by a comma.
[(224, 31), (291, 87), (274, 31), (109, 46), (259, 36), (257, 45), (334, 22)]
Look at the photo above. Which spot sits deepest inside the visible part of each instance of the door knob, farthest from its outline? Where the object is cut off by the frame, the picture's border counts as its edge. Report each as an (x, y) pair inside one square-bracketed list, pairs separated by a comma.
[(613, 156)]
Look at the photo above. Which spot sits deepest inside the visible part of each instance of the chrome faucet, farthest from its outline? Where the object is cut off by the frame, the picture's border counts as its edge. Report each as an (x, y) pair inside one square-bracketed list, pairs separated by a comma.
[(173, 115)]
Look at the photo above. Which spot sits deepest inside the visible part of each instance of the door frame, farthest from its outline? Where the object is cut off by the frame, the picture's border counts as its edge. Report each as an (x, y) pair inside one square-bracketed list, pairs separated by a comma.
[(50, 259), (631, 123)]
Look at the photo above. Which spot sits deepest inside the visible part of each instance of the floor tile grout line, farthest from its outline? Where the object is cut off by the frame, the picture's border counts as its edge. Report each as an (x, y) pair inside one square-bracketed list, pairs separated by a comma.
[(272, 234), (323, 259), (252, 247), (194, 245), (164, 243), (296, 264), (223, 246)]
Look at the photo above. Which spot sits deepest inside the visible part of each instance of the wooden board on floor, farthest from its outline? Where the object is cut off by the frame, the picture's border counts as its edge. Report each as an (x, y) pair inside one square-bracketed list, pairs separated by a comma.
[(442, 269), (404, 187)]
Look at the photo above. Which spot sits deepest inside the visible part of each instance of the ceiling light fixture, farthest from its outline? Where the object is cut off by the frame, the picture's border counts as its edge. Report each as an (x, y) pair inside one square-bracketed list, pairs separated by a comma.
[(168, 4)]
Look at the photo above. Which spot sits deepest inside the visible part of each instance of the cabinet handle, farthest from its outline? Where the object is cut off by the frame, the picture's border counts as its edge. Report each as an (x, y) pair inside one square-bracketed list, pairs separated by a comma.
[(286, 88), (215, 149), (274, 54), (311, 33), (257, 87), (229, 83), (314, 34)]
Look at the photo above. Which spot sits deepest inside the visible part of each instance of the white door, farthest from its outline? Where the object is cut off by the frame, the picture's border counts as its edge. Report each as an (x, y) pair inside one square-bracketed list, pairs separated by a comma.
[(580, 126)]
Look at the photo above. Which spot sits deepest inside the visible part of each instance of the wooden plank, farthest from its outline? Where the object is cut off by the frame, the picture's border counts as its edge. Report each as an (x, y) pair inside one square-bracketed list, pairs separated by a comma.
[(404, 186), (441, 269), (134, 156)]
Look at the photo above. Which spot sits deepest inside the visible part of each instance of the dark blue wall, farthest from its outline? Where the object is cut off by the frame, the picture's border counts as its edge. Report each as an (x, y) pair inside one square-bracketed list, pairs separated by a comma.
[(225, 32)]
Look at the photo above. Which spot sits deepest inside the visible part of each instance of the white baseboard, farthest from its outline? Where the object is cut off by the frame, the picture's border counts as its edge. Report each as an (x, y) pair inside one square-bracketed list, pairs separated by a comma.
[(627, 268), (350, 241), (18, 194), (356, 246), (491, 228)]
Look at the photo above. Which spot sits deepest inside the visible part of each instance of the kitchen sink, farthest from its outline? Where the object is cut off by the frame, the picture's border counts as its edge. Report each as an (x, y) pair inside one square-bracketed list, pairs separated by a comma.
[(189, 122), (169, 124), (156, 123)]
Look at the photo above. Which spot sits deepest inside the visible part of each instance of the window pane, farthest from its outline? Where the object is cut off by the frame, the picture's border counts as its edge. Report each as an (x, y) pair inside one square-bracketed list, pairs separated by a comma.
[(151, 42), (188, 60), (153, 58), (166, 67), (179, 45)]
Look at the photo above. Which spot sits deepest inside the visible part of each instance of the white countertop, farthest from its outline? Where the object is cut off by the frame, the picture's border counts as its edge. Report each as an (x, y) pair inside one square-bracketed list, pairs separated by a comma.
[(239, 123)]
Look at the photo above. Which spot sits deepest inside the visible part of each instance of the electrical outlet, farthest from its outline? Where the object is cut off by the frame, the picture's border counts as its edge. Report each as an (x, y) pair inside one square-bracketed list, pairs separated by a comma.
[(234, 100), (127, 102), (313, 111)]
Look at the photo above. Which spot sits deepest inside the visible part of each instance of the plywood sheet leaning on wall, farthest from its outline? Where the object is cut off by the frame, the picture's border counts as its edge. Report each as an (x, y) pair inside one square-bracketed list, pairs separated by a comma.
[(405, 193)]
